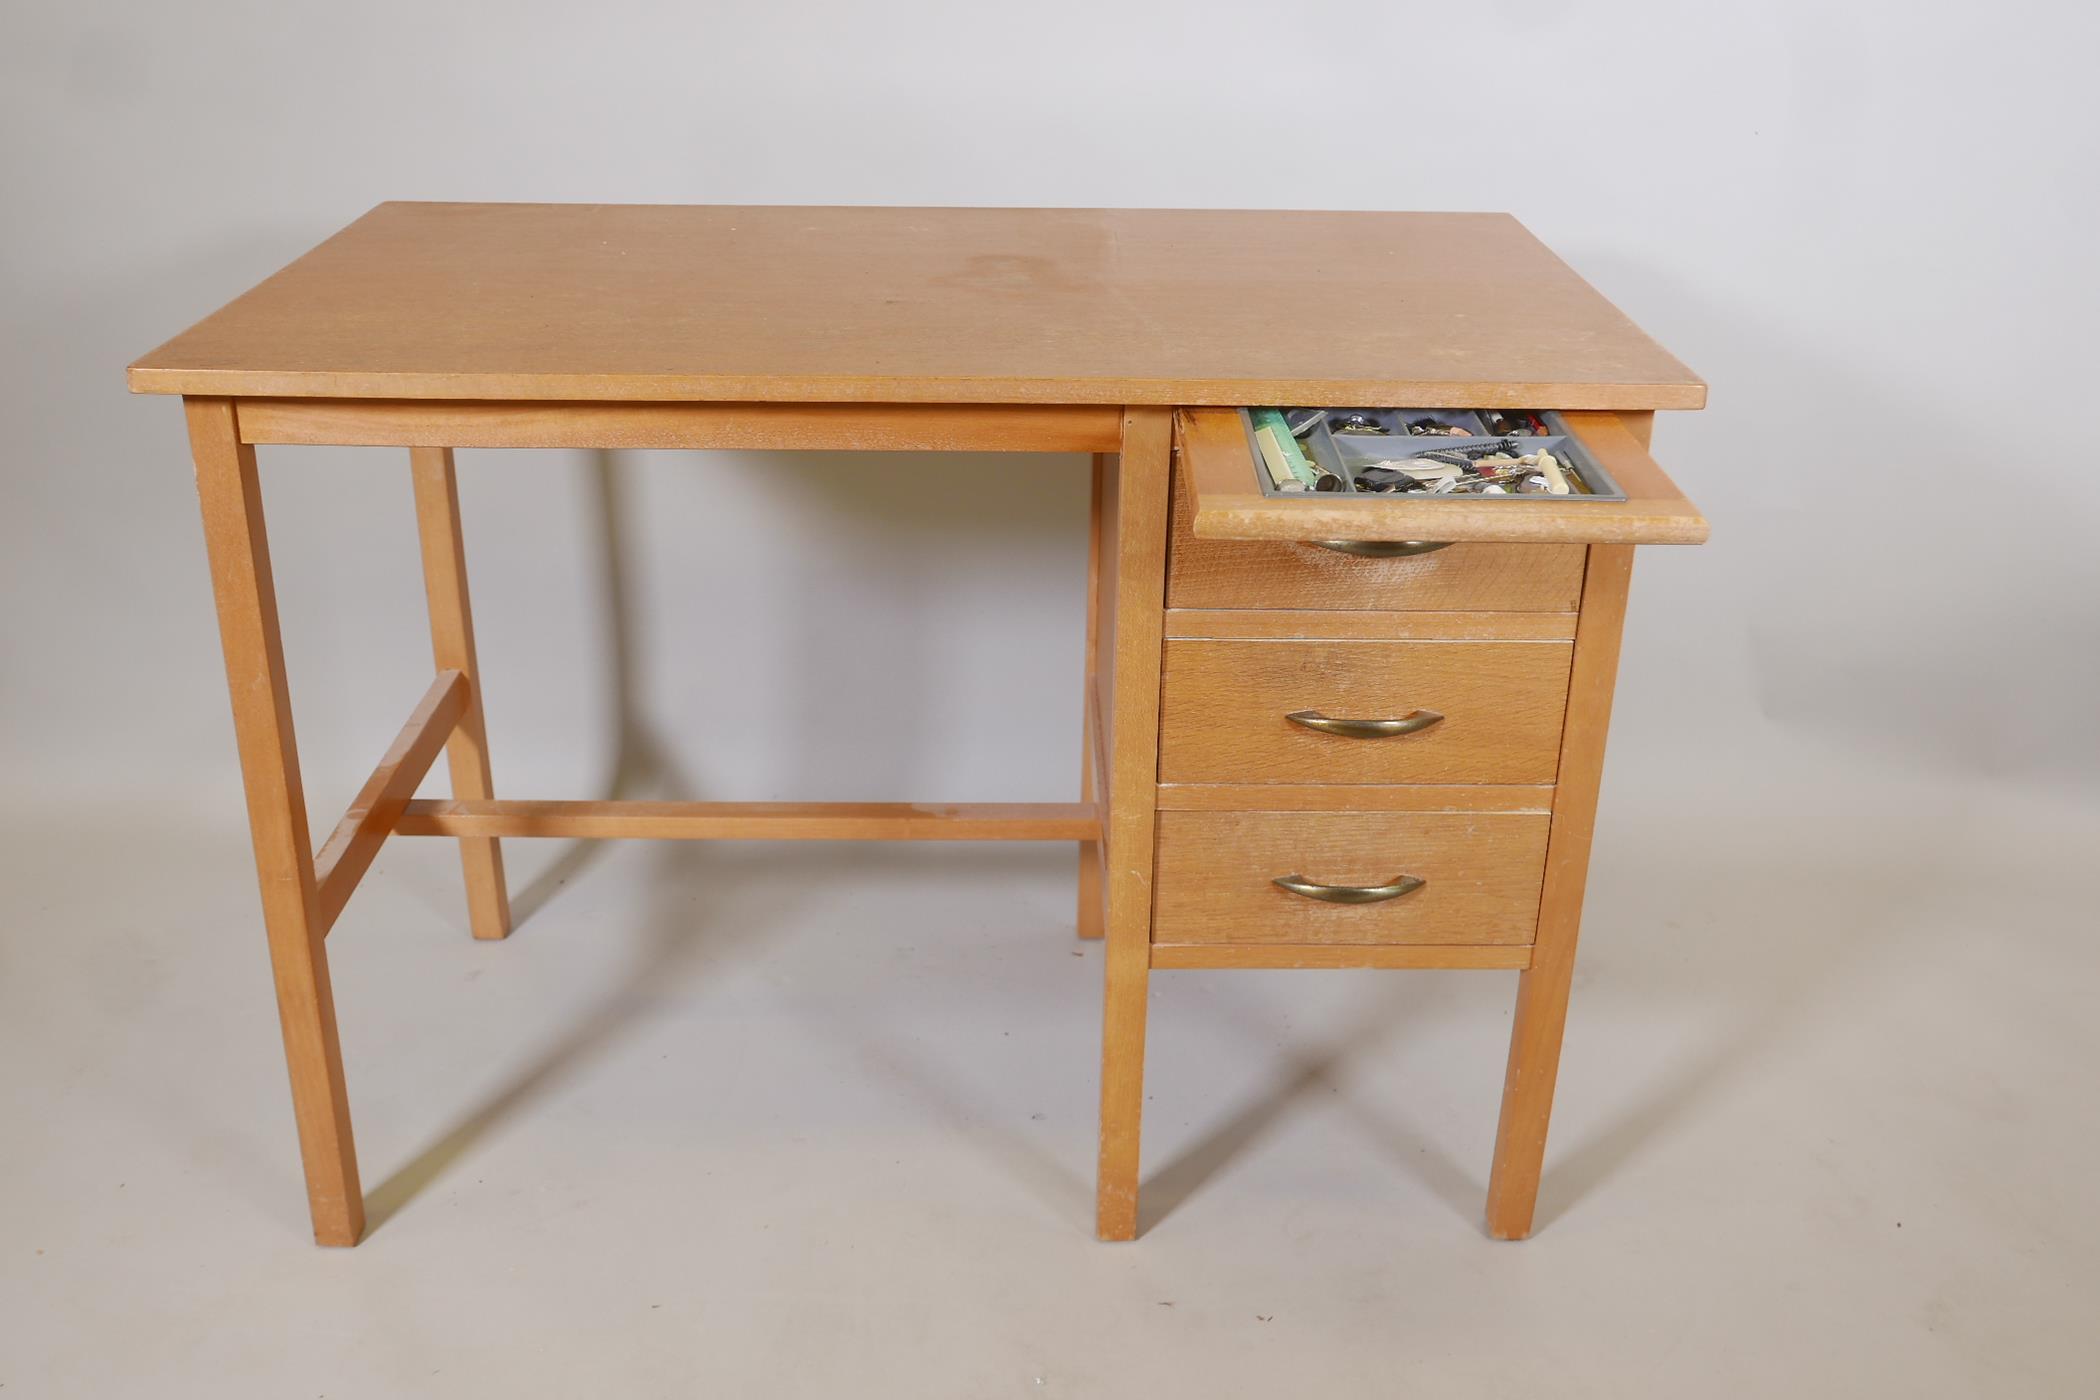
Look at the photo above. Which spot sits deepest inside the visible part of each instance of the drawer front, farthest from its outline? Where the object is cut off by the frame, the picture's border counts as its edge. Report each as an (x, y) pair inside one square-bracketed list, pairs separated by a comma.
[(1232, 496), (1460, 578), (1480, 871), (1223, 706)]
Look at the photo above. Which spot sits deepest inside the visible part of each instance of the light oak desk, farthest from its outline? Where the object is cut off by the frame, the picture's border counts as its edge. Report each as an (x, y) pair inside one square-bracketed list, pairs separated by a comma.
[(1214, 612)]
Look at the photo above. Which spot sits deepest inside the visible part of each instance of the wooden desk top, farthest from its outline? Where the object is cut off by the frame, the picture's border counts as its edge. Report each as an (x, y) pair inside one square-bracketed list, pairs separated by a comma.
[(1122, 306)]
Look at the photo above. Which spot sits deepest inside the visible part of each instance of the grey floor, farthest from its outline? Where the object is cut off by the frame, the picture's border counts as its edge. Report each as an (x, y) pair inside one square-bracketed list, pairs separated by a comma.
[(816, 1120)]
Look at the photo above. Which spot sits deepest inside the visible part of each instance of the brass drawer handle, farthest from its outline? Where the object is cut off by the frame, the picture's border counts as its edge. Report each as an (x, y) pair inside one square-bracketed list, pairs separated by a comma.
[(1366, 728), (1350, 894), (1383, 549)]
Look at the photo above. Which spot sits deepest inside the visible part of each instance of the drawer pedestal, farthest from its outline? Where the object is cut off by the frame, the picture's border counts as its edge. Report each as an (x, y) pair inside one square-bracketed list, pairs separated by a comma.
[(1377, 755)]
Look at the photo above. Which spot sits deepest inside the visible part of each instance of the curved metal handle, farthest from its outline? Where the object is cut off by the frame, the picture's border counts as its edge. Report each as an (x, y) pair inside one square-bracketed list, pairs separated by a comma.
[(1350, 894), (1366, 728), (1383, 549)]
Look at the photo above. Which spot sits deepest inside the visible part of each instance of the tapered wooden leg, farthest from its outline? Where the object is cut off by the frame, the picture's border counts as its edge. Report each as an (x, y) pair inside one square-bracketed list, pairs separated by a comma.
[(1138, 536), (1542, 992), (452, 645), (1091, 909), (228, 488)]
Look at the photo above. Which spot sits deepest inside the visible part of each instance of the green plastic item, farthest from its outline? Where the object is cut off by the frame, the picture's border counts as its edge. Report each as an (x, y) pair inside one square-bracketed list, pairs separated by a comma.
[(1269, 424)]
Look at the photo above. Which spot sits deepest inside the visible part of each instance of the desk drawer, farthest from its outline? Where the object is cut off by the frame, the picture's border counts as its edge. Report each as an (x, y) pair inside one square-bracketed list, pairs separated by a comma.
[(1617, 494), (1223, 709), (1480, 875), (1286, 574)]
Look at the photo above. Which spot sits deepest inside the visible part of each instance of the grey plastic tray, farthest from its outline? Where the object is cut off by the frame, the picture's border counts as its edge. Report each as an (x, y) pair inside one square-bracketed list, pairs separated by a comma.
[(1345, 454)]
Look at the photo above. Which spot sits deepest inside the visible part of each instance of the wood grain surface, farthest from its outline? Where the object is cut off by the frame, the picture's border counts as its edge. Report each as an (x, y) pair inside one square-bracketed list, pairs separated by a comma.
[(799, 427), (1337, 956), (364, 827), (615, 820), (1250, 624), (452, 646), (1541, 1016), (1125, 306), (229, 491), (1360, 797), (1222, 708), (1297, 574), (1216, 872), (1135, 556)]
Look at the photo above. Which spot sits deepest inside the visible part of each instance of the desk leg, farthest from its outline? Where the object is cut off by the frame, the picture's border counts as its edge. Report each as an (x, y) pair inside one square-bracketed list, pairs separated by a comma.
[(1139, 537), (452, 643), (1542, 991), (1091, 909), (230, 493)]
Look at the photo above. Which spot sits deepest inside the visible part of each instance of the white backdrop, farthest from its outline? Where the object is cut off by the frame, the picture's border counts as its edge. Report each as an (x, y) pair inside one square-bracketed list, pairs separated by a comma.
[(1838, 943), (1868, 226)]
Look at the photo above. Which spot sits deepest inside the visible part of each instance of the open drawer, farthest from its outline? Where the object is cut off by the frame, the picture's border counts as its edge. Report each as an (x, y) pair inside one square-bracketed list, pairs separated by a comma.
[(1226, 482)]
